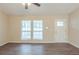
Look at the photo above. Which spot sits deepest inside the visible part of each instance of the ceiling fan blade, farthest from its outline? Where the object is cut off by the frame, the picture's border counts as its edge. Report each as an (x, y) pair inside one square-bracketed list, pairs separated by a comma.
[(26, 6), (37, 4)]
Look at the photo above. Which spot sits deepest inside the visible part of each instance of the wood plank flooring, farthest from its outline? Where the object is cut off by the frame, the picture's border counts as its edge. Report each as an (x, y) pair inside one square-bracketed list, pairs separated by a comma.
[(38, 49)]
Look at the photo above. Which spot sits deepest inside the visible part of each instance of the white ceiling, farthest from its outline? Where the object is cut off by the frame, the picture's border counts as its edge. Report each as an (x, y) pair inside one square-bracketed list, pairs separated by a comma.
[(44, 9)]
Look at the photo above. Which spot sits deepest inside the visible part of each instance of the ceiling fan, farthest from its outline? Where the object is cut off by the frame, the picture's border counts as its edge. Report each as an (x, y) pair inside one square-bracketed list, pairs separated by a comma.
[(26, 5)]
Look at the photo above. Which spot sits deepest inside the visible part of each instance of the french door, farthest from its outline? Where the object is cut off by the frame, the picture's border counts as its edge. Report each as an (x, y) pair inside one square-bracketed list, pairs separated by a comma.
[(32, 30)]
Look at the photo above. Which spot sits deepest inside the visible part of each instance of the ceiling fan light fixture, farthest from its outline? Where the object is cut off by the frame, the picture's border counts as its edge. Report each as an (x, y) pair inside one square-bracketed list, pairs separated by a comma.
[(23, 4), (26, 3), (29, 4)]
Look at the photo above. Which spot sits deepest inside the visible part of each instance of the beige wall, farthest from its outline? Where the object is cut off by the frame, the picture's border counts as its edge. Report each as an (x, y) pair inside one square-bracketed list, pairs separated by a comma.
[(50, 35), (10, 29), (3, 29), (74, 28)]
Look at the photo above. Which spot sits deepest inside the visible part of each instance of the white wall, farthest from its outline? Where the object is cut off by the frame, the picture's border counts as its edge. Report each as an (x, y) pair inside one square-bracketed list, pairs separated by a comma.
[(3, 29), (50, 36), (74, 28)]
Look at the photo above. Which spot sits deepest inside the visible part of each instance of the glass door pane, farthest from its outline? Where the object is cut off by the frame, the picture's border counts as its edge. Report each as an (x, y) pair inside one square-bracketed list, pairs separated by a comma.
[(26, 35), (38, 35), (26, 30), (38, 30), (26, 25), (37, 25)]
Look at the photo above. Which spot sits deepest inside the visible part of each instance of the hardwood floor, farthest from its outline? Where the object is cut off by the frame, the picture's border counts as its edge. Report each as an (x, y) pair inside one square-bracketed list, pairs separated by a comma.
[(38, 49)]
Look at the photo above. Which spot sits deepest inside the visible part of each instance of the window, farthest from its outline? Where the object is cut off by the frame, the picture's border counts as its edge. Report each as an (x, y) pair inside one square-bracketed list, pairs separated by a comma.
[(60, 23), (26, 29), (32, 29)]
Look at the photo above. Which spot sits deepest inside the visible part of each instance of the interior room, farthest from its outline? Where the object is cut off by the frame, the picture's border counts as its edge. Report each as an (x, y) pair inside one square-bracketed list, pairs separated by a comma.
[(39, 28)]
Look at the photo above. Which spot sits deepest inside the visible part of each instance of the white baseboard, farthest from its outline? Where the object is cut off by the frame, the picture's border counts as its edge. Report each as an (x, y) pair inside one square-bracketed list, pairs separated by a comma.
[(35, 42), (3, 43), (74, 45)]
